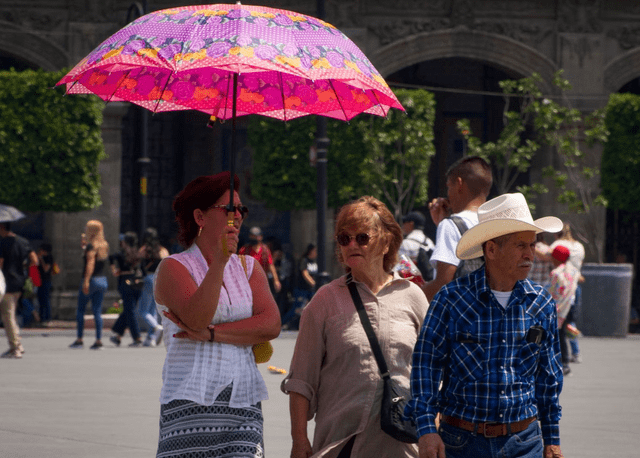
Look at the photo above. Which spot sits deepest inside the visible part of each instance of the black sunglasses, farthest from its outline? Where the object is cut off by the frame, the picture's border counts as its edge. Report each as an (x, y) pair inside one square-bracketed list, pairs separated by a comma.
[(345, 239), (244, 211)]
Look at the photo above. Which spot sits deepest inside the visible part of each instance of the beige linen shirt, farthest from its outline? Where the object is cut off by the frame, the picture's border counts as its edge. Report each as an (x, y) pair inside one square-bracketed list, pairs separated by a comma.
[(333, 365)]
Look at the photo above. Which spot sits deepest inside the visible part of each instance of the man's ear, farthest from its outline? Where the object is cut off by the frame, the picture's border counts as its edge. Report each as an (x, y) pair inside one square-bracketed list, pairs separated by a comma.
[(490, 249)]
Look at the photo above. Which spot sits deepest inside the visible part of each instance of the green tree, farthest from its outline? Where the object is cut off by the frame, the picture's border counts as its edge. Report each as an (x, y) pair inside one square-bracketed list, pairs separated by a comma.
[(621, 156), (384, 157), (50, 145), (282, 173), (400, 151), (553, 123)]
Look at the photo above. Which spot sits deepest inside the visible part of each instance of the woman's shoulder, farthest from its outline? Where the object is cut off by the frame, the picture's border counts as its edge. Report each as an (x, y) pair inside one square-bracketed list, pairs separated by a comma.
[(412, 294)]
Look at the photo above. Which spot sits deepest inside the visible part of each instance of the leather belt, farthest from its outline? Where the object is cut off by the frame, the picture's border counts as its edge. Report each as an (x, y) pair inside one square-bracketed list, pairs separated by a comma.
[(489, 429)]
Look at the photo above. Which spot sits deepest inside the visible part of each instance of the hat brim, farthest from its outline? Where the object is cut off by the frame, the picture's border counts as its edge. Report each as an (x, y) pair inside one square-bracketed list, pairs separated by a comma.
[(470, 245)]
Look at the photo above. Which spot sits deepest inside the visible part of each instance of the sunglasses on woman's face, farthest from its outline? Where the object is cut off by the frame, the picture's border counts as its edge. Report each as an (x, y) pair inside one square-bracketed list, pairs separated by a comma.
[(244, 211), (345, 239)]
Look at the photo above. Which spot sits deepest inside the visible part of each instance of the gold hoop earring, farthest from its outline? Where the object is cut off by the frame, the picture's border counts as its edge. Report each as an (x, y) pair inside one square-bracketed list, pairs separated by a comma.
[(199, 231)]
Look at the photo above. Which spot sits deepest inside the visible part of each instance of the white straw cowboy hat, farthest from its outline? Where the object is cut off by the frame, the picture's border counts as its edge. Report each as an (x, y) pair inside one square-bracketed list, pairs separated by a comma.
[(503, 215)]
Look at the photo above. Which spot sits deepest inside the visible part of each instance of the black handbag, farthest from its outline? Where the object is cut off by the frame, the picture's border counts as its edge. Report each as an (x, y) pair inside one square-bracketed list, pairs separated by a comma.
[(137, 281), (394, 396)]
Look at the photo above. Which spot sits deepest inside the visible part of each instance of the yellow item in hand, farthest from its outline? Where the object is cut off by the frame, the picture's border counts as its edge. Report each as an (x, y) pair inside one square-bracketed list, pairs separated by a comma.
[(262, 352), (276, 370)]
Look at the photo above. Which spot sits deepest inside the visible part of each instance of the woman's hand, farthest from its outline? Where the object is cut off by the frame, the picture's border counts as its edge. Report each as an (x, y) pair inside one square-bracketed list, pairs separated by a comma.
[(202, 335), (85, 287), (301, 448), (229, 242)]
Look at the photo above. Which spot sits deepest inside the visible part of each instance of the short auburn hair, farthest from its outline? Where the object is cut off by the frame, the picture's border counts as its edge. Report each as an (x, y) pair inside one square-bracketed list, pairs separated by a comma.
[(201, 193), (368, 212)]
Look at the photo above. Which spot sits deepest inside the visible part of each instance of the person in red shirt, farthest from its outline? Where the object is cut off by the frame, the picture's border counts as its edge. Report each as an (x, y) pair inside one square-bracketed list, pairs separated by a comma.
[(261, 253)]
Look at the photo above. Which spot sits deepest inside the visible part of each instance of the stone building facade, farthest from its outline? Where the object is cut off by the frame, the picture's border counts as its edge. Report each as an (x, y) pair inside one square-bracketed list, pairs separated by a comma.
[(458, 48)]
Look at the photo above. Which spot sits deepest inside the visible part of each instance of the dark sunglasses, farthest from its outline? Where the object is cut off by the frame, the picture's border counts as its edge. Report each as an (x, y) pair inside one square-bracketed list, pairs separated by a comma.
[(244, 211), (345, 239)]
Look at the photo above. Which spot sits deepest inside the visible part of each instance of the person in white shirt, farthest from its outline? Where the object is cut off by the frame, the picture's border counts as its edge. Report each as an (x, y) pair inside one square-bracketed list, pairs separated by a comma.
[(415, 239), (469, 182)]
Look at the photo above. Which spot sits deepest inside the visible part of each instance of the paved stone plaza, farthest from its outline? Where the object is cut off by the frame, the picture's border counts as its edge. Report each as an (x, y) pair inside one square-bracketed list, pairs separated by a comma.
[(57, 402)]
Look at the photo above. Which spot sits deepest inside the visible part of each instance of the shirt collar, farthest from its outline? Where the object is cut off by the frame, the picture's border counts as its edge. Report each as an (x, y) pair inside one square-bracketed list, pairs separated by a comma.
[(521, 288)]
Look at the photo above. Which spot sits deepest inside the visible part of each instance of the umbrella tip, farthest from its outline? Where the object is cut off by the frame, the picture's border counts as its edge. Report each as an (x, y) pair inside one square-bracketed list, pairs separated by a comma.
[(212, 121)]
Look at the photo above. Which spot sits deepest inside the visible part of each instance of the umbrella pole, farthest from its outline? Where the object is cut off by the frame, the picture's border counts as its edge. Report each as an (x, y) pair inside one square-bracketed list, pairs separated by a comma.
[(231, 211), (232, 159)]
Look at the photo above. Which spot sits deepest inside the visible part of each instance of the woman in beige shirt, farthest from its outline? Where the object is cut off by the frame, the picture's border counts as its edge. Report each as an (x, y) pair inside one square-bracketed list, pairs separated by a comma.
[(334, 376)]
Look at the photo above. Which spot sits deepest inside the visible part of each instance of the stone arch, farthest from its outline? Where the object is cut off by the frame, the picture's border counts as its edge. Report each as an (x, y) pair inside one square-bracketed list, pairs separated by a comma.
[(462, 42), (621, 70), (32, 48)]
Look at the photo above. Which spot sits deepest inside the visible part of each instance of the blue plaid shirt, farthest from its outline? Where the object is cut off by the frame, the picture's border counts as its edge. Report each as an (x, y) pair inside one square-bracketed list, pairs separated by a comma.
[(480, 351)]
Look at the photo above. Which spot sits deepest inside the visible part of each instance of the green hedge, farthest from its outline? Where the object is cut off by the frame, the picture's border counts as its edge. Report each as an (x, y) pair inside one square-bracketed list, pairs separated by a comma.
[(50, 144), (385, 157), (620, 171)]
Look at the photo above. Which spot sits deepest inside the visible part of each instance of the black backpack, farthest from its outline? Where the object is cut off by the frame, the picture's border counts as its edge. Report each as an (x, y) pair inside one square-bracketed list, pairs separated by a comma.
[(423, 262), (468, 265)]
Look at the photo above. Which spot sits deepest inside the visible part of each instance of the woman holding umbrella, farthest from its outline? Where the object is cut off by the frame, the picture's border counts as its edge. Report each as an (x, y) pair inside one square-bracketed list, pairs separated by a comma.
[(216, 306)]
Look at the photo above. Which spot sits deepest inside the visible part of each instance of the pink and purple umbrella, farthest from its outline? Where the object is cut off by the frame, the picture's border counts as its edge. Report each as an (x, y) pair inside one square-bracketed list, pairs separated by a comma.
[(234, 60)]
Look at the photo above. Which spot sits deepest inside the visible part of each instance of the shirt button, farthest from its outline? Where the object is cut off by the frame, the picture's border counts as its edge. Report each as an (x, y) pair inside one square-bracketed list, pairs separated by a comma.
[(502, 392), (501, 368), (504, 341), (500, 415)]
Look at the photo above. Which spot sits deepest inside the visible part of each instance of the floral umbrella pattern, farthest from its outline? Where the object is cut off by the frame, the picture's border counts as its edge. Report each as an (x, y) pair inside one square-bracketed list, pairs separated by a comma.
[(287, 65)]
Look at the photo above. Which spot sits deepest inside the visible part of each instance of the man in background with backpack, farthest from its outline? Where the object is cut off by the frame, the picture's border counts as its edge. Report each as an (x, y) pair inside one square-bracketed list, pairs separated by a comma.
[(416, 245), (469, 182)]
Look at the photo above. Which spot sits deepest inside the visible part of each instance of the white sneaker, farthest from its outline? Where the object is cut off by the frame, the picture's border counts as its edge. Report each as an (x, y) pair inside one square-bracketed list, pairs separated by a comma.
[(158, 333), (149, 341)]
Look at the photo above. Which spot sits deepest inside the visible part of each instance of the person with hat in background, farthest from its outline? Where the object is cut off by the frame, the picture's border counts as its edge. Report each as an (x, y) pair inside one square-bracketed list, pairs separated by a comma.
[(416, 240), (261, 253), (491, 339), (563, 285)]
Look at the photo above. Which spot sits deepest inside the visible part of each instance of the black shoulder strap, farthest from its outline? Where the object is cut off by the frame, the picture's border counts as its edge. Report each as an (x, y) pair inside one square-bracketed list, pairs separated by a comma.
[(460, 224), (368, 329)]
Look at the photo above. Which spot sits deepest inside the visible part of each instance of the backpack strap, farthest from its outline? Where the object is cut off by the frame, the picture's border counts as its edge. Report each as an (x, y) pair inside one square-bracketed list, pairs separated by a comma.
[(460, 224)]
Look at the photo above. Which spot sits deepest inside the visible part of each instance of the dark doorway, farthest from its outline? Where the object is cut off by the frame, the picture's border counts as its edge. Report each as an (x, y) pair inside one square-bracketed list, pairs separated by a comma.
[(463, 88)]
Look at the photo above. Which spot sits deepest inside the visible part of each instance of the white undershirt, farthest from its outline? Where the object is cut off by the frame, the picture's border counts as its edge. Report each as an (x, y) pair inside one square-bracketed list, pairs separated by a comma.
[(502, 297)]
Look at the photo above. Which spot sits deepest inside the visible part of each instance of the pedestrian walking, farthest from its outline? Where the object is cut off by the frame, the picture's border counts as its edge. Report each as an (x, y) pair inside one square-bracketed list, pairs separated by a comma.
[(94, 281), (488, 356)]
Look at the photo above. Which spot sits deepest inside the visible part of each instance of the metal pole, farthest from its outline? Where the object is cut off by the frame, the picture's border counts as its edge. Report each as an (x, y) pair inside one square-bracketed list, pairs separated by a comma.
[(143, 162), (135, 11), (322, 145)]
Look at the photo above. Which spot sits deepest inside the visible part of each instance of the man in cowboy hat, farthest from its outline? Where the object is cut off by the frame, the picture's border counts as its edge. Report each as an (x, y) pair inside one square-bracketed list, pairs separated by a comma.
[(491, 338)]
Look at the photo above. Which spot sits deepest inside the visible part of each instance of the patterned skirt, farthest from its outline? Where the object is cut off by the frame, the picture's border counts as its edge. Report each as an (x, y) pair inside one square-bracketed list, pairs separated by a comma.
[(190, 430)]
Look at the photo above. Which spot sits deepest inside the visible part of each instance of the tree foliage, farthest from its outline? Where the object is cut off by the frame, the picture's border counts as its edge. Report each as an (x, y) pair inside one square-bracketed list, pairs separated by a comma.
[(384, 157), (283, 176), (621, 156), (400, 151), (553, 124), (50, 145)]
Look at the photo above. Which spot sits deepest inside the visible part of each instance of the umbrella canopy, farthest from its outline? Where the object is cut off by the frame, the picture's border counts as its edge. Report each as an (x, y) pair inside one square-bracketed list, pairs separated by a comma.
[(234, 60), (287, 65), (9, 214)]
